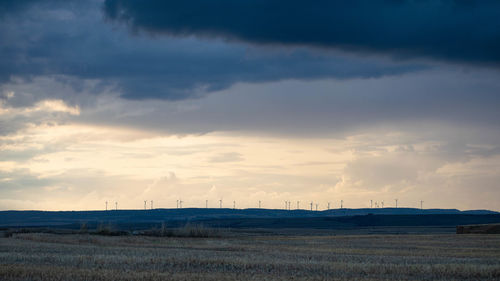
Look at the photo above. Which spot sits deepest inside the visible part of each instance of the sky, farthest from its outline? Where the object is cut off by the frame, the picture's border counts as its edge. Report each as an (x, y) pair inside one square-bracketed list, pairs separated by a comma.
[(247, 101)]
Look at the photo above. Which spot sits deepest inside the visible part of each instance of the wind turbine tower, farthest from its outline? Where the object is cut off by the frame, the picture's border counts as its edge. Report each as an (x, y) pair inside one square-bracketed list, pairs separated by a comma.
[(311, 205), (145, 204), (396, 202), (328, 205), (421, 205), (341, 204), (289, 203), (382, 204), (316, 206), (234, 204), (220, 203), (106, 205), (298, 202), (177, 204), (116, 206), (151, 204)]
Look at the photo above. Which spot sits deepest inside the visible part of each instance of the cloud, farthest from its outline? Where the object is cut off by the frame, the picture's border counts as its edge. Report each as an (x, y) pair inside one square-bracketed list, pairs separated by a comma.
[(70, 189), (45, 112), (72, 43), (21, 180), (321, 108), (84, 166), (227, 157), (13, 6), (454, 30)]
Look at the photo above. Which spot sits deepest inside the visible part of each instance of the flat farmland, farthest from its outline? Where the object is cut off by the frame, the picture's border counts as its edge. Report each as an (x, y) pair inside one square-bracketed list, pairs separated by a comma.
[(36, 256)]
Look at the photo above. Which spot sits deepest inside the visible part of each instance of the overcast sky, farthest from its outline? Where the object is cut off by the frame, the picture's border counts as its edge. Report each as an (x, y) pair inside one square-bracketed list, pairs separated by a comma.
[(125, 101)]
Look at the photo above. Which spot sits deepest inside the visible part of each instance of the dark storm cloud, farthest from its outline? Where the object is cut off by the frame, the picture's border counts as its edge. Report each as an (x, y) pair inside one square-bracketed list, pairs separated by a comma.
[(318, 108), (12, 6), (71, 42), (455, 30), (9, 8)]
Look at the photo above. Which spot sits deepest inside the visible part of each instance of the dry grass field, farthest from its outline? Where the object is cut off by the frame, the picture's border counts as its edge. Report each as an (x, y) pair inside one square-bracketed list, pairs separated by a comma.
[(371, 257)]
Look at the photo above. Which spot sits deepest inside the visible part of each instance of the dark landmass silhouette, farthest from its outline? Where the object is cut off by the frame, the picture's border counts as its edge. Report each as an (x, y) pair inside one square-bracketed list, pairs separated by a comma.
[(247, 219)]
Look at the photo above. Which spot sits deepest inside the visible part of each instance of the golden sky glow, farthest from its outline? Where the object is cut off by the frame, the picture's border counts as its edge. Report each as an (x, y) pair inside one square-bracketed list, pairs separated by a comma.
[(78, 166)]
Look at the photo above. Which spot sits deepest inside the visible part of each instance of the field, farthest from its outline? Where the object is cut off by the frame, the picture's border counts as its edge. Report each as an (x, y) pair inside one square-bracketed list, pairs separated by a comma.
[(37, 256)]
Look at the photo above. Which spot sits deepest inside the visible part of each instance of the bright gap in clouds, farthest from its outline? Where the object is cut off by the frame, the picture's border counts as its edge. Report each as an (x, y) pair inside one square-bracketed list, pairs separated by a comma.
[(74, 166)]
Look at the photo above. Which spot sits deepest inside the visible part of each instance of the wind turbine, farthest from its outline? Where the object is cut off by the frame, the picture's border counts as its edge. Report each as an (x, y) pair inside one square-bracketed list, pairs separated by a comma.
[(234, 204), (220, 203), (106, 205), (396, 202), (382, 204), (371, 204), (289, 202), (145, 204), (116, 206), (259, 204), (328, 205), (177, 204), (341, 204), (151, 204), (298, 202), (421, 205), (316, 206), (311, 205), (286, 205), (180, 203)]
